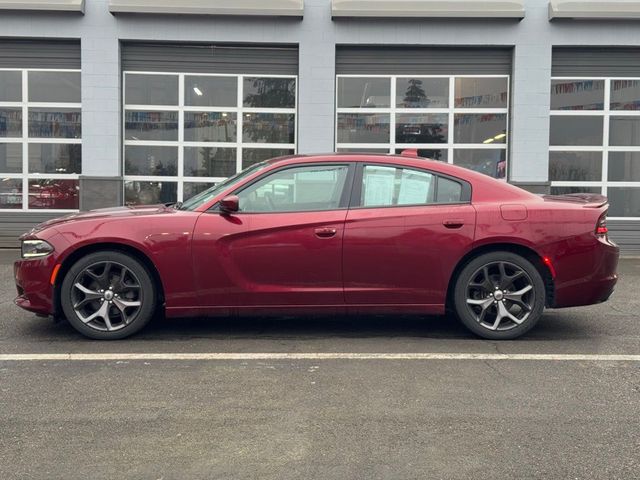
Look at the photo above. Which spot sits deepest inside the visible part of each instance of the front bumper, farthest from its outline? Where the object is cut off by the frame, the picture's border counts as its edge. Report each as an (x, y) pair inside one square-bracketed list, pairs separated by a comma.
[(35, 292)]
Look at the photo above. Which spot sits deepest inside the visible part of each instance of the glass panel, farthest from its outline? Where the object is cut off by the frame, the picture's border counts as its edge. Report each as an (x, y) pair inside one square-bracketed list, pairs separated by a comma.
[(363, 128), (579, 131), (625, 94), (10, 122), (428, 153), (191, 189), (151, 89), (268, 128), (624, 131), (296, 190), (448, 191), (568, 190), (488, 161), (624, 202), (480, 128), (207, 91), (148, 160), (422, 92), (364, 92), (10, 157), (624, 166), (54, 87), (151, 125), (210, 127), (10, 86), (577, 94), (422, 128), (251, 156), (55, 123), (363, 150), (481, 92), (386, 186), (269, 92), (11, 193), (209, 162), (149, 193), (54, 194), (575, 166), (55, 158)]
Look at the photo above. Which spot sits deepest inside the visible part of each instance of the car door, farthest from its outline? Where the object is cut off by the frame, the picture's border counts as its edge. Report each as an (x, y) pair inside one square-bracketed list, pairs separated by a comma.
[(405, 232), (284, 246)]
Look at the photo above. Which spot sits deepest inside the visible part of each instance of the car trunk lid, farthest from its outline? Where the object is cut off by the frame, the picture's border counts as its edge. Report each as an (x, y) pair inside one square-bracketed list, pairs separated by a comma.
[(587, 200)]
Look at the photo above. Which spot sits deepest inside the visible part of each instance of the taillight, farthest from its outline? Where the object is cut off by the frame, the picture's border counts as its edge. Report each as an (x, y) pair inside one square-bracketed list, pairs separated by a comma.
[(601, 226)]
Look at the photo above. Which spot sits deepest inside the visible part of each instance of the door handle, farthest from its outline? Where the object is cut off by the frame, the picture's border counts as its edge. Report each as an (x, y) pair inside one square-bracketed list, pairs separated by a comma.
[(325, 232), (453, 223)]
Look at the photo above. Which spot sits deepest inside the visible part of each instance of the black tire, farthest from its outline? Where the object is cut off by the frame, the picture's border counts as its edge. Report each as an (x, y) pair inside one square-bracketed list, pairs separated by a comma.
[(477, 300), (127, 279)]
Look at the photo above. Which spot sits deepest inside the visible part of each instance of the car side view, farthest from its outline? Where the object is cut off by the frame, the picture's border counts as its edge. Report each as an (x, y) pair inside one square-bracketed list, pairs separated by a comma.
[(334, 233)]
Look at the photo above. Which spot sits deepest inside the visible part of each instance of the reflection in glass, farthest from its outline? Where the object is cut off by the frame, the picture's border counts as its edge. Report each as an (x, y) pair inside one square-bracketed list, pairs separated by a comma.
[(149, 193), (209, 162), (625, 94), (55, 158), (422, 128), (151, 89), (10, 158), (11, 193), (481, 92), (210, 127), (268, 128), (624, 166), (488, 161), (190, 189), (210, 91), (363, 128), (480, 128), (364, 92), (55, 123), (422, 92), (429, 153), (10, 122), (262, 92), (54, 193), (151, 125), (577, 94), (10, 86), (575, 166), (575, 130), (148, 160), (569, 190), (251, 156), (54, 87), (624, 131), (624, 201)]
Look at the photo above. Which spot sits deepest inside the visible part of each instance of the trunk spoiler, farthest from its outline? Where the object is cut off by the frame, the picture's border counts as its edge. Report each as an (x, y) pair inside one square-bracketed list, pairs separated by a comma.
[(588, 200)]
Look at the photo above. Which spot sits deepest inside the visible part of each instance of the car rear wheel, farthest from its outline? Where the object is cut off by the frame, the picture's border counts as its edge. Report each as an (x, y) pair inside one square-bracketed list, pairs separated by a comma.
[(499, 295), (108, 295)]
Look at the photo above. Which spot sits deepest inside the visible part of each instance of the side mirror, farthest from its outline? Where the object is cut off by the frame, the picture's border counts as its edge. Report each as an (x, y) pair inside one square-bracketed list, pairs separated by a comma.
[(230, 204)]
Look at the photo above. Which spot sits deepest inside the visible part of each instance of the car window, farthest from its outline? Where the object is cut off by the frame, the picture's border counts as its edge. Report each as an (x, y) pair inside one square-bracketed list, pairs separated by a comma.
[(296, 189), (448, 191)]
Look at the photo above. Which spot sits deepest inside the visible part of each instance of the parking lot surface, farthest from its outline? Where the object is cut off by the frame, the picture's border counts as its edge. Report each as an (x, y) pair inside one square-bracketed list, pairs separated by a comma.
[(231, 415)]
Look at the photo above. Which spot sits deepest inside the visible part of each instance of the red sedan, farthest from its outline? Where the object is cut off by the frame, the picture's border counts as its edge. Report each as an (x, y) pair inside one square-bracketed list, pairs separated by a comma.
[(333, 233)]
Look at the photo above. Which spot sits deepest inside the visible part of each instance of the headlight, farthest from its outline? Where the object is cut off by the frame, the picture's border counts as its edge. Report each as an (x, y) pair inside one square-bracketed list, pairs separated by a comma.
[(35, 248)]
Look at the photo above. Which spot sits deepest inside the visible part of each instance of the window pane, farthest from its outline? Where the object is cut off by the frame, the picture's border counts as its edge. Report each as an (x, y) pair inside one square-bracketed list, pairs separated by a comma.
[(422, 128), (422, 92), (577, 94), (385, 186), (55, 158), (269, 92), (490, 162), (10, 122), (268, 128), (54, 87), (578, 131), (363, 128), (149, 193), (428, 153), (624, 166), (10, 86), (569, 190), (209, 162), (151, 89), (11, 193), (256, 155), (575, 166), (448, 191), (296, 190), (624, 131), (191, 189), (10, 158), (625, 202), (210, 127), (147, 160), (50, 193), (55, 123), (625, 94), (416, 188), (480, 128), (207, 91), (363, 150), (364, 92), (151, 125), (481, 92)]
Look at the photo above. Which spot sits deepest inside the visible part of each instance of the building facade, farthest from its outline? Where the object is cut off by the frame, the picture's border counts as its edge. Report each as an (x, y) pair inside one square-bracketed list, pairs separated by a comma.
[(112, 102)]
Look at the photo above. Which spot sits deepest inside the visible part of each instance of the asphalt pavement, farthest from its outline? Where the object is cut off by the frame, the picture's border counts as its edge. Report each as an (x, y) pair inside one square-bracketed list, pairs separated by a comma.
[(319, 418)]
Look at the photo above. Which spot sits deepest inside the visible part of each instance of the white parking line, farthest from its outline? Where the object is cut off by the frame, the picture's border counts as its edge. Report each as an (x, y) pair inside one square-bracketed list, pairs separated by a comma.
[(25, 357)]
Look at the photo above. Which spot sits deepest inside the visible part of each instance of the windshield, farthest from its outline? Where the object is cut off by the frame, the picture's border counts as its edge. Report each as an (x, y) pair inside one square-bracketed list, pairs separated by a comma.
[(203, 197)]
